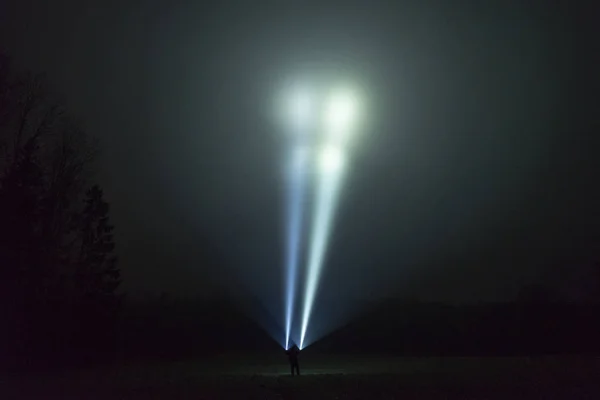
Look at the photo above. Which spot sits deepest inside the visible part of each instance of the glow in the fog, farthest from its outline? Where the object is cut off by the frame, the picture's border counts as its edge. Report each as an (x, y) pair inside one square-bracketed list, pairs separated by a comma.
[(331, 160), (340, 115), (334, 115)]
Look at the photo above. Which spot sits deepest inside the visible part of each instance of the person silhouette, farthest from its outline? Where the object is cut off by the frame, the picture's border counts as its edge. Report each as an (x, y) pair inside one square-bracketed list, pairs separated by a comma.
[(292, 354)]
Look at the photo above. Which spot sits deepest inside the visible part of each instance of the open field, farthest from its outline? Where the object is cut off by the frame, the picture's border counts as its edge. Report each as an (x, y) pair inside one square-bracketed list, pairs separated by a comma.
[(324, 377)]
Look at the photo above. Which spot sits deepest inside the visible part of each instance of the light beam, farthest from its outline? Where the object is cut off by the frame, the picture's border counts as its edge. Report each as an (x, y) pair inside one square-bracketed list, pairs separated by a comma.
[(299, 112), (339, 118), (297, 178), (331, 163)]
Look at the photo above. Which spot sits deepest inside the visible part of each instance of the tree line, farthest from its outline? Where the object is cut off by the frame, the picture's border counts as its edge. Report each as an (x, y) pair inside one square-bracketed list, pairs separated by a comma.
[(59, 273)]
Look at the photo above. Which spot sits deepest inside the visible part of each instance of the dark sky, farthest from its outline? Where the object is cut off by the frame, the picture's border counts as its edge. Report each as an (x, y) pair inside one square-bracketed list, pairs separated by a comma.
[(476, 172)]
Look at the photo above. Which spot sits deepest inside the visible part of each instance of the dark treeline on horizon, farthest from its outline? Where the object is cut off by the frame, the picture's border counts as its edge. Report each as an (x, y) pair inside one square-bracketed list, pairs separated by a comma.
[(58, 268)]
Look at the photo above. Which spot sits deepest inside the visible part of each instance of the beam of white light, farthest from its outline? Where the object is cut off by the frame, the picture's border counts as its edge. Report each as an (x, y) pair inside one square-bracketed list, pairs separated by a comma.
[(331, 163), (296, 179), (331, 160)]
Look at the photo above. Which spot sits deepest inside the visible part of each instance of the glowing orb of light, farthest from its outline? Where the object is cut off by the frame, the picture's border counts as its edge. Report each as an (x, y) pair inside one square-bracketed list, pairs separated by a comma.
[(341, 111), (331, 160)]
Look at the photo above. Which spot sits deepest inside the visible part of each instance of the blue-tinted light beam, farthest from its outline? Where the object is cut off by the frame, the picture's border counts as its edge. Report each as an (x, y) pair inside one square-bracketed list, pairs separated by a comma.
[(296, 182)]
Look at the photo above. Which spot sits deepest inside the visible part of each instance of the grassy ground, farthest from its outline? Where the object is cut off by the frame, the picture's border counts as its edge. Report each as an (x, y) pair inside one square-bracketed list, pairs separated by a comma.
[(323, 377)]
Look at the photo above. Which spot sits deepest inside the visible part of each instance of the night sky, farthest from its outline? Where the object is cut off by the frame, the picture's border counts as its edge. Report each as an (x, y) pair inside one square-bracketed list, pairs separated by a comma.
[(476, 171)]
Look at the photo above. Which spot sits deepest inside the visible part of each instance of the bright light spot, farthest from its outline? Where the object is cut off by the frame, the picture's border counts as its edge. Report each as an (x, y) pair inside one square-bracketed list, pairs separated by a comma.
[(340, 114), (331, 160)]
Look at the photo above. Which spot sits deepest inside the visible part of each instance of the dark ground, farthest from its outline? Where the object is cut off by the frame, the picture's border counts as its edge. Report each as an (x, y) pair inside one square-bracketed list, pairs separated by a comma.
[(324, 377)]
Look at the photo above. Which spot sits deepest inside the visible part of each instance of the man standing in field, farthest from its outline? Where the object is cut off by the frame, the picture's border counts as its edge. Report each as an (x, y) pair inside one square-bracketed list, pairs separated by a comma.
[(292, 354)]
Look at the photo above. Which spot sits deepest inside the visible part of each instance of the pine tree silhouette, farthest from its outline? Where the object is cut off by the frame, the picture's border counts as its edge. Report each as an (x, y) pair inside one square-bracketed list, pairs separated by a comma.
[(98, 275)]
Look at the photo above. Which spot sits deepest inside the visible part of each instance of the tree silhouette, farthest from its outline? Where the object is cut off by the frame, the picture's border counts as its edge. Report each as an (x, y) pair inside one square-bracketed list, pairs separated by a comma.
[(98, 276), (58, 270)]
